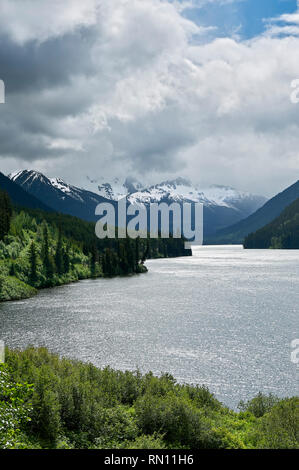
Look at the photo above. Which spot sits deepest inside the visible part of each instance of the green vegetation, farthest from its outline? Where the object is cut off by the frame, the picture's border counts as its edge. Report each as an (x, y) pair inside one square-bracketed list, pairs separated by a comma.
[(14, 410), (282, 233), (75, 405), (42, 249), (12, 288)]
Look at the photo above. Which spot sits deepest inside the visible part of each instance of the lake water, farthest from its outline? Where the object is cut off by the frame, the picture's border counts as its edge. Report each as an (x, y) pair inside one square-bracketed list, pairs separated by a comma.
[(224, 318)]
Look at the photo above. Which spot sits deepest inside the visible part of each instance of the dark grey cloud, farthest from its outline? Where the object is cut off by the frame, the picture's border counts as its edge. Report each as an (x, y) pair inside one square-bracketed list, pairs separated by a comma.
[(34, 66)]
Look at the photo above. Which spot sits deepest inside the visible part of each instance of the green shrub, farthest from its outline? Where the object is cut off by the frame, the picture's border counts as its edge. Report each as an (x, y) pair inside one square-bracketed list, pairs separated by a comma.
[(259, 405), (177, 419), (146, 442), (279, 429), (77, 405), (14, 410)]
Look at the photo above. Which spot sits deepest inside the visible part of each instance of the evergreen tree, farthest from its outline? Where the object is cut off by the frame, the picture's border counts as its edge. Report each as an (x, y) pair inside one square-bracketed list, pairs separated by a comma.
[(1, 285), (137, 253), (46, 258), (123, 259), (146, 253), (45, 248), (109, 263), (94, 260), (12, 271), (66, 260), (130, 256), (33, 264), (59, 254), (164, 249), (5, 214)]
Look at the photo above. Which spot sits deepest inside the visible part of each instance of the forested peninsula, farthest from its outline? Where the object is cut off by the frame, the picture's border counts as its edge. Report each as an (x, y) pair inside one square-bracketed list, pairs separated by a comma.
[(40, 249)]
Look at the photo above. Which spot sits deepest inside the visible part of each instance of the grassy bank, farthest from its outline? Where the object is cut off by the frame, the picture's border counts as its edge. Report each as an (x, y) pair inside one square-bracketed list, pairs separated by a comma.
[(14, 289), (51, 402)]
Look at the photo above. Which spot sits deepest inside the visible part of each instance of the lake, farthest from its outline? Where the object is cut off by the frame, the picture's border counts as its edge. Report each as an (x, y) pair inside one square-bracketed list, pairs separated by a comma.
[(224, 318)]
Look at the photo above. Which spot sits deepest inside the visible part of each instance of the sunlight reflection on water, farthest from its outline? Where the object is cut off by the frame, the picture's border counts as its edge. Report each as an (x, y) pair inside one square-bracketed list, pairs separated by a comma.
[(225, 318)]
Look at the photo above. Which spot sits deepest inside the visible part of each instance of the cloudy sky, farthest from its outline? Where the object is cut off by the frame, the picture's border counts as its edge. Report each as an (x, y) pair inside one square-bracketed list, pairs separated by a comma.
[(151, 88)]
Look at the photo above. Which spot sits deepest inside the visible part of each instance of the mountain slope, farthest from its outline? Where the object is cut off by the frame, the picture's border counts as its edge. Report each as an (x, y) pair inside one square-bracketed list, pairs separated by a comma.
[(21, 197), (263, 216), (282, 232), (60, 196)]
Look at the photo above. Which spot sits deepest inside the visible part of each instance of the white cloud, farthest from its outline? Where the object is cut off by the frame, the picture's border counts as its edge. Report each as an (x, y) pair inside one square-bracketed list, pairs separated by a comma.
[(156, 100), (284, 25), (26, 20)]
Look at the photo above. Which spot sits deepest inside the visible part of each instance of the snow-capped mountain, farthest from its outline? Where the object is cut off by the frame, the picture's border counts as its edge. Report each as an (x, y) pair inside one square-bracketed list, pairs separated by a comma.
[(59, 195), (114, 189), (177, 190), (182, 190), (20, 197), (223, 206)]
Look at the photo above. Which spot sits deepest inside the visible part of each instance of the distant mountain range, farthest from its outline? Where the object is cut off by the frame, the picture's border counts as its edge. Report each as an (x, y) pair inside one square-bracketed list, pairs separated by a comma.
[(281, 233), (223, 205), (263, 216), (229, 215)]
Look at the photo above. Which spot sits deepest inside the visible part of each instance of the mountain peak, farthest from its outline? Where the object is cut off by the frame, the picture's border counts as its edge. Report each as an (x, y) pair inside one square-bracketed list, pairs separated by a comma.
[(179, 181), (28, 177)]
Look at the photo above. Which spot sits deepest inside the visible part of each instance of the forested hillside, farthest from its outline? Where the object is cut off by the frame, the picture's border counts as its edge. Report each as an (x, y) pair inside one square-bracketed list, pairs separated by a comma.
[(282, 233), (49, 402), (42, 249), (265, 215)]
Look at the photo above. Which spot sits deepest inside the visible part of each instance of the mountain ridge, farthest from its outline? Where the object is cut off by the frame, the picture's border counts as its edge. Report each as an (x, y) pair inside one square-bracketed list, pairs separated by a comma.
[(21, 197), (59, 195), (281, 233), (223, 205), (263, 216)]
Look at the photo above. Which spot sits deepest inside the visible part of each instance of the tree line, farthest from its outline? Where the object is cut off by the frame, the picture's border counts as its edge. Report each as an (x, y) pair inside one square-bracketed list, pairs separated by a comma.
[(5, 214), (43, 249)]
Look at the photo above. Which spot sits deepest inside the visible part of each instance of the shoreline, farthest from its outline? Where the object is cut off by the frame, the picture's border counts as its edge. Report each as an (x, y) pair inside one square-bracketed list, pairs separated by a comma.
[(26, 291)]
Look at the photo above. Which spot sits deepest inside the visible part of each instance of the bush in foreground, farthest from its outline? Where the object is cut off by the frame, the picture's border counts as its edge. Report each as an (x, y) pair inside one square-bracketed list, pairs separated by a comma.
[(76, 405)]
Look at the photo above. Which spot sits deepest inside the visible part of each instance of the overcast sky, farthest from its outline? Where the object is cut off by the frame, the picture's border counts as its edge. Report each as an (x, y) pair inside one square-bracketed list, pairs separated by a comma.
[(151, 88)]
